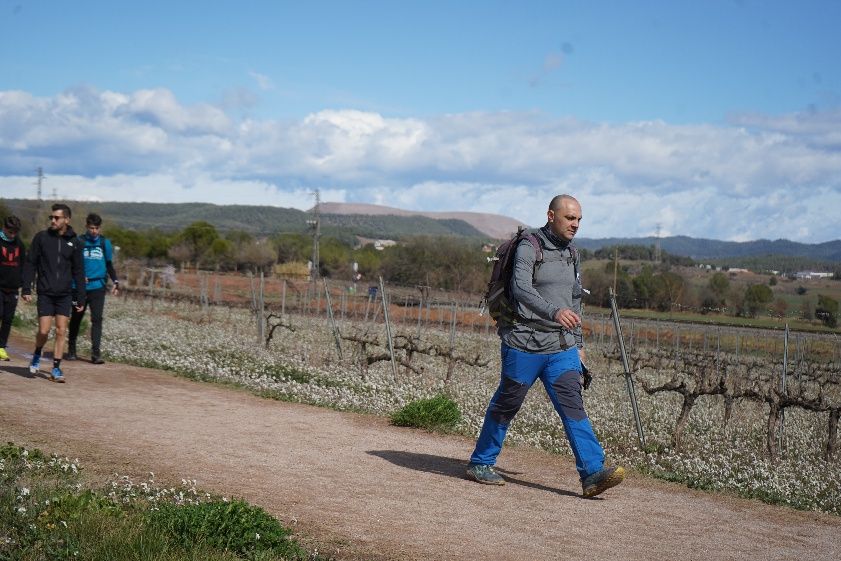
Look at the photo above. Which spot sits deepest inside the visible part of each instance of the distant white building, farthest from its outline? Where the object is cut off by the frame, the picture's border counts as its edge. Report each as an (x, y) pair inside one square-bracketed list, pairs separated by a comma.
[(808, 275), (382, 244)]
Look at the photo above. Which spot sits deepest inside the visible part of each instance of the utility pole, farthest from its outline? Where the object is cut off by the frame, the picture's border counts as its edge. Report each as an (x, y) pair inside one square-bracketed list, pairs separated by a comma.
[(315, 225), (657, 254), (40, 189), (615, 267), (40, 182)]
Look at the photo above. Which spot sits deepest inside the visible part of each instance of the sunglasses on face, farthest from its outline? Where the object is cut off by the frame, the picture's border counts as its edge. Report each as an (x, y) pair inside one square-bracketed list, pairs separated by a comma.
[(54, 217)]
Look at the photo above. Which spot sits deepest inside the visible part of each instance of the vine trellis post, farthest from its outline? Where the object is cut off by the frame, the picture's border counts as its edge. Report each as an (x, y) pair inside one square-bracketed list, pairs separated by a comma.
[(781, 434), (388, 334), (333, 327), (629, 381)]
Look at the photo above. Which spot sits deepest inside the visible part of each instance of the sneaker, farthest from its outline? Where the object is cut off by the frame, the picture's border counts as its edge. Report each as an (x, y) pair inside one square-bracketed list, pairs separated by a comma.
[(599, 482), (3, 354), (57, 376), (35, 364), (71, 355), (484, 473), (96, 359)]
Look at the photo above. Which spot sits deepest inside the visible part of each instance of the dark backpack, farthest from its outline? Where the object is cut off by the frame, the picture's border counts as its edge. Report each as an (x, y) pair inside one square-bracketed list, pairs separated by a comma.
[(497, 298)]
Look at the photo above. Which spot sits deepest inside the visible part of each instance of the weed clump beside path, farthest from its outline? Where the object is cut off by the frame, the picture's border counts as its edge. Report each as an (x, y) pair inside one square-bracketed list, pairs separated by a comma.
[(46, 513), (439, 413)]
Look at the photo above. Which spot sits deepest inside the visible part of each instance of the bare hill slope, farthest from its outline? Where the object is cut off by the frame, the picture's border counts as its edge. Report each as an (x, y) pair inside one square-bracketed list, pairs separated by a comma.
[(494, 225)]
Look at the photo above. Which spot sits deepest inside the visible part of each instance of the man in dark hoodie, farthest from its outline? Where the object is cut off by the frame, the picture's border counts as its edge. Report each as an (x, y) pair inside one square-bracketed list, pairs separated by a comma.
[(12, 256), (55, 258)]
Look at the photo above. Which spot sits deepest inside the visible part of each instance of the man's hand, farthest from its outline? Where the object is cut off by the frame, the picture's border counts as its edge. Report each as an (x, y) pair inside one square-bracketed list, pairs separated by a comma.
[(27, 298), (115, 289), (568, 318)]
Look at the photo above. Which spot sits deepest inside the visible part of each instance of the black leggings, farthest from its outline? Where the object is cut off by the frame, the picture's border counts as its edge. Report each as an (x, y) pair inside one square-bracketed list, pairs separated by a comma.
[(8, 303), (96, 301)]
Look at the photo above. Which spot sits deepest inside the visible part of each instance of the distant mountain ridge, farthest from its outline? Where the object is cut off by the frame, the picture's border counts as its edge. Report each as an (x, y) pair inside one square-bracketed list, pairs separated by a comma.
[(495, 226), (700, 248), (256, 220), (345, 220)]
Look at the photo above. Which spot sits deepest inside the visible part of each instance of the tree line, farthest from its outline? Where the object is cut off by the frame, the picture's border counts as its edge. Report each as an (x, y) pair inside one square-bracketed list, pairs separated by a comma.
[(647, 278)]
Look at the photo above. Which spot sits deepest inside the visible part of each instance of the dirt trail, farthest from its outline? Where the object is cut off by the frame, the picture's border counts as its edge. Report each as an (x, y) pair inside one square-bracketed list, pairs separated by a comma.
[(372, 491)]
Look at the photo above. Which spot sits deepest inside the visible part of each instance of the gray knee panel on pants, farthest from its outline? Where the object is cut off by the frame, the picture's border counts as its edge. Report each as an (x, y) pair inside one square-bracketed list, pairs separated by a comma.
[(567, 388), (511, 396)]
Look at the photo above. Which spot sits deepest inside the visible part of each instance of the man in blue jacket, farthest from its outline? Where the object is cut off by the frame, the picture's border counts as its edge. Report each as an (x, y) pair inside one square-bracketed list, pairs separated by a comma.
[(55, 260), (98, 254), (545, 341), (12, 256)]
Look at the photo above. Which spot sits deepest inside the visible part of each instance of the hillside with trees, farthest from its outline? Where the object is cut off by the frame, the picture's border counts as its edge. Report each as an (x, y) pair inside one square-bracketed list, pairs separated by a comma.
[(255, 220), (644, 278), (779, 255)]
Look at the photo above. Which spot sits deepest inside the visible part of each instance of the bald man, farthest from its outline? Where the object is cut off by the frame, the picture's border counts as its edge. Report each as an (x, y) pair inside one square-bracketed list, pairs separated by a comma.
[(545, 342)]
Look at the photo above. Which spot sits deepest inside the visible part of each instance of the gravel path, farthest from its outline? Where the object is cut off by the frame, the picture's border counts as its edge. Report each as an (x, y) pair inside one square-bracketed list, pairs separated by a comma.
[(365, 490)]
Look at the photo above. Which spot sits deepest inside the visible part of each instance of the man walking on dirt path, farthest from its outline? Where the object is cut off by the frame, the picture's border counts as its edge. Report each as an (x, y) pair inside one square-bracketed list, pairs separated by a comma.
[(12, 256), (55, 261), (544, 340), (98, 255)]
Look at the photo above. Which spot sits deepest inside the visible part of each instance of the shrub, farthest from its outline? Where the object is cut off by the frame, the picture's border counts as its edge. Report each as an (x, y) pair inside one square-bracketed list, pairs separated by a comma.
[(233, 526), (436, 413)]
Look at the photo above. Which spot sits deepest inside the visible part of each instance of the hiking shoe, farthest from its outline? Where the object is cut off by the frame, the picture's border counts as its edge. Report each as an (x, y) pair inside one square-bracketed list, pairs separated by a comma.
[(484, 473), (56, 375), (35, 364), (3, 354), (599, 482), (96, 359), (71, 355)]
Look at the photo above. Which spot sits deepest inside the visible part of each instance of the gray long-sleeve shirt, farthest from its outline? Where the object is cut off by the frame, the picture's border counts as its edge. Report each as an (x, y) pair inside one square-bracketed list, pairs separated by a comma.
[(539, 294)]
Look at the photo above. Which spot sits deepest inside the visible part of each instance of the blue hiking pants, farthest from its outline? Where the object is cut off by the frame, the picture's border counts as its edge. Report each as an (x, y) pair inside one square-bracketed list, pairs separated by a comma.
[(561, 376)]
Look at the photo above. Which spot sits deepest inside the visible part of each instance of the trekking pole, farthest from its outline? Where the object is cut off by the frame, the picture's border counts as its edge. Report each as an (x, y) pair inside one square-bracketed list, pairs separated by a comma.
[(629, 381), (388, 329)]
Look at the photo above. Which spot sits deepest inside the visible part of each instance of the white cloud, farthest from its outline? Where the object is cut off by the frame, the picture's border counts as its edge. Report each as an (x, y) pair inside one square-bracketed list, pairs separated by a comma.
[(263, 81), (166, 188), (757, 177)]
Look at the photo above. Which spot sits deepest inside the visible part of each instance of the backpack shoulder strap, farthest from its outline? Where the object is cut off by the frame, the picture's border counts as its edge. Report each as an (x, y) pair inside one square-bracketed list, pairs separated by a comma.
[(538, 248)]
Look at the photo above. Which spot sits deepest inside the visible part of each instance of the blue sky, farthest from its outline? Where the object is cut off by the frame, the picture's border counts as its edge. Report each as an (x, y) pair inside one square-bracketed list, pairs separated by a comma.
[(717, 119)]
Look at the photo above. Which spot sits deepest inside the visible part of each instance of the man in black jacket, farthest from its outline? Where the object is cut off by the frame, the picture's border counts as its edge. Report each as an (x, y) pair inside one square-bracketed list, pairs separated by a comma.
[(12, 256), (55, 258)]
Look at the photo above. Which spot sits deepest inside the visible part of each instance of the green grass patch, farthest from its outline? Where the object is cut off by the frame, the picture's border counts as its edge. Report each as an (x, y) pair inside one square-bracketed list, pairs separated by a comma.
[(46, 514), (438, 413), (234, 526)]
